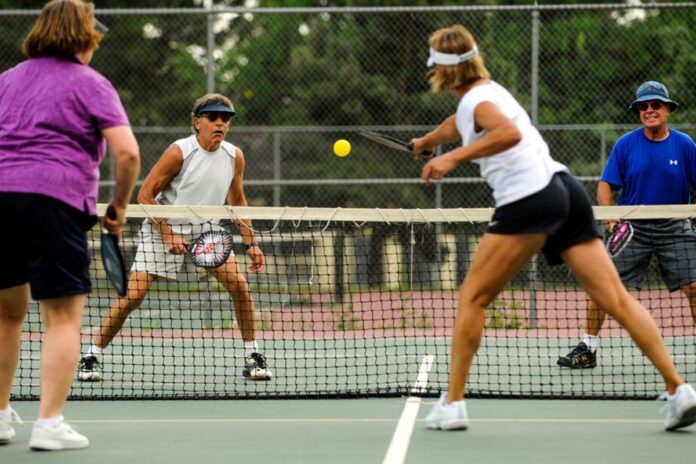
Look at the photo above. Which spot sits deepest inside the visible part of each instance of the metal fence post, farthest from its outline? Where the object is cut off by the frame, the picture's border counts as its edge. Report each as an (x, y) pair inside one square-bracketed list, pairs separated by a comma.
[(534, 264), (210, 54), (276, 168), (602, 149), (438, 226)]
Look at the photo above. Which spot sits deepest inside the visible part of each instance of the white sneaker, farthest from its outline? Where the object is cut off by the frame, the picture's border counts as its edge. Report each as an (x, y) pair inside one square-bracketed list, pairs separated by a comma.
[(56, 438), (680, 410), (7, 432), (448, 416)]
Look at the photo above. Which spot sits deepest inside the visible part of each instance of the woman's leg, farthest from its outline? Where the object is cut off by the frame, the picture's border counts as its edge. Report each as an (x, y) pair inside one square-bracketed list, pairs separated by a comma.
[(596, 273), (498, 259), (14, 303), (60, 351)]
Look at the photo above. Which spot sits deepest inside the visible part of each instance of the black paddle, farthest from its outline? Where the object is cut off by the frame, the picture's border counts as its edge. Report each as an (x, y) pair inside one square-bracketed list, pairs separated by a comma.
[(113, 258)]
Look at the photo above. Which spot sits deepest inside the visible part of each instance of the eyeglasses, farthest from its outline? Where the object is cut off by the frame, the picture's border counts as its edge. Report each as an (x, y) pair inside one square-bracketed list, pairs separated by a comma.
[(213, 116), (656, 105)]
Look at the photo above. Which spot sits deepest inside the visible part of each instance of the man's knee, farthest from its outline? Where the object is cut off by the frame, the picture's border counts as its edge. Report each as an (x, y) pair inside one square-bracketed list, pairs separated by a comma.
[(690, 289)]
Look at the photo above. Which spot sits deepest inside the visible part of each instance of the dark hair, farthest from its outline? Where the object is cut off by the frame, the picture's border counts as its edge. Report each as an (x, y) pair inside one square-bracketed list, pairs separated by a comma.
[(64, 28)]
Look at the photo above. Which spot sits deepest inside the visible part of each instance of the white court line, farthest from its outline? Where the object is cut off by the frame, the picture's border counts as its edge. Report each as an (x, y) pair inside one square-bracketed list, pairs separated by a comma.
[(357, 420), (402, 435)]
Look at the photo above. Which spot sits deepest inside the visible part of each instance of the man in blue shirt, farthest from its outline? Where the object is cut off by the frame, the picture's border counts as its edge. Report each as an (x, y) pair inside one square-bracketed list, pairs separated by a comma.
[(651, 165)]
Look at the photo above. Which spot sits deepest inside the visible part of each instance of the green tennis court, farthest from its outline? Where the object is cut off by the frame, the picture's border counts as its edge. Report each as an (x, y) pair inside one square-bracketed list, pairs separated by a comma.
[(361, 431)]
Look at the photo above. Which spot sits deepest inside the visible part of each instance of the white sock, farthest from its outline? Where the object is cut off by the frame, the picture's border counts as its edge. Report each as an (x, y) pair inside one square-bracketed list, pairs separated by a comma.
[(592, 341), (50, 421), (95, 351), (250, 347)]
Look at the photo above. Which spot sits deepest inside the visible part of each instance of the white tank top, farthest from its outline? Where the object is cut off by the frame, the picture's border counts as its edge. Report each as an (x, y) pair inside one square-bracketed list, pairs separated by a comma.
[(204, 180), (205, 177), (518, 171)]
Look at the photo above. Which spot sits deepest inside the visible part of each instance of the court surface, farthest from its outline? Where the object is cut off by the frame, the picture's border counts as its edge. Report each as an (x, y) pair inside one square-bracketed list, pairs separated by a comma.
[(360, 431)]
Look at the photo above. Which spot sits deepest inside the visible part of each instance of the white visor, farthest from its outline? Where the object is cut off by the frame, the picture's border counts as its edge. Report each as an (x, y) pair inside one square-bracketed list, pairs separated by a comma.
[(449, 59)]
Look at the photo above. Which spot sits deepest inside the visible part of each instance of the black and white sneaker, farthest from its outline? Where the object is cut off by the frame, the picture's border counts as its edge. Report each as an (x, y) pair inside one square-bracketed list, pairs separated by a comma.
[(581, 357), (89, 369), (256, 368)]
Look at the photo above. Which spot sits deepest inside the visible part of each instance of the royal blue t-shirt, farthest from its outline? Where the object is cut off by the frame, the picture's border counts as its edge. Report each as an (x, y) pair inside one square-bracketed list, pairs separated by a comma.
[(652, 173)]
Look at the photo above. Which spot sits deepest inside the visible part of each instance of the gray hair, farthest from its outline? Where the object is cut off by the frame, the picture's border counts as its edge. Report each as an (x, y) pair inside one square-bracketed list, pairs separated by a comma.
[(208, 99)]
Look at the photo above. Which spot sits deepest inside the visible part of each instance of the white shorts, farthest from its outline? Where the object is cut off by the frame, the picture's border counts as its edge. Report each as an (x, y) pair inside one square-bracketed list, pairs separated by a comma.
[(152, 258)]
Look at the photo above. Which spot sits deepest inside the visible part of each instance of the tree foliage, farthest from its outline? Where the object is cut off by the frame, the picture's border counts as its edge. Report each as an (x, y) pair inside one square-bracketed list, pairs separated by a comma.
[(368, 69)]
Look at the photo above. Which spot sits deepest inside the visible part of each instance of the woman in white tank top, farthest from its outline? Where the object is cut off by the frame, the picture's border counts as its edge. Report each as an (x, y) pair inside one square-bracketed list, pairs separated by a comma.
[(539, 207)]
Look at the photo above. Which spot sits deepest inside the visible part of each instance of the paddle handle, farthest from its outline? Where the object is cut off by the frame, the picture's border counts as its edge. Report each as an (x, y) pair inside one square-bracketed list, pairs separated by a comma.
[(425, 154)]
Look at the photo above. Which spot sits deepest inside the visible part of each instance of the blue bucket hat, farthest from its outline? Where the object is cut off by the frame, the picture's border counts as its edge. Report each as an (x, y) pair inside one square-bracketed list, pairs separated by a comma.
[(652, 90)]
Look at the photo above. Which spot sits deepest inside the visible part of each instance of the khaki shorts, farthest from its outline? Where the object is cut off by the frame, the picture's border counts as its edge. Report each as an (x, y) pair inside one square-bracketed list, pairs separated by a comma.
[(152, 258)]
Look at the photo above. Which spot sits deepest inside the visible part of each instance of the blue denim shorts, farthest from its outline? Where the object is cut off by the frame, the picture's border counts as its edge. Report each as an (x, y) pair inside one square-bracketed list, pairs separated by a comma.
[(672, 242), (45, 245)]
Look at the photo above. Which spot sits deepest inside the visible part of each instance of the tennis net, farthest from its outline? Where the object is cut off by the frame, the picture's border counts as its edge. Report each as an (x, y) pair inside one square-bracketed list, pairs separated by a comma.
[(361, 302)]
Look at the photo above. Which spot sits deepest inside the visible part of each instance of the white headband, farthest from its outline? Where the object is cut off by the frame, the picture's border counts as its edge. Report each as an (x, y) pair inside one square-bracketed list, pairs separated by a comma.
[(449, 59)]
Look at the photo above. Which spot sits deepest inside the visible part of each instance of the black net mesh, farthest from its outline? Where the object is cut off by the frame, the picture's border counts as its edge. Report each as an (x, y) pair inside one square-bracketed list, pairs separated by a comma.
[(357, 303)]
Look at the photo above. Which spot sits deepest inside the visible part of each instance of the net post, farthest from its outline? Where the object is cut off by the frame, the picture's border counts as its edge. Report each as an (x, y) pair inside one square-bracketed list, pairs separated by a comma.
[(339, 244), (533, 274)]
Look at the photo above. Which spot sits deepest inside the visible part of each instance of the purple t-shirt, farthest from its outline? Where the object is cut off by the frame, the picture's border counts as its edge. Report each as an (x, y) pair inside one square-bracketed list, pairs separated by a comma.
[(52, 112)]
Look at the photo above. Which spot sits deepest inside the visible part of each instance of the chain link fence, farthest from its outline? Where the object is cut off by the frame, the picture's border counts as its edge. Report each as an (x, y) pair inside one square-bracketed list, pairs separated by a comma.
[(301, 78)]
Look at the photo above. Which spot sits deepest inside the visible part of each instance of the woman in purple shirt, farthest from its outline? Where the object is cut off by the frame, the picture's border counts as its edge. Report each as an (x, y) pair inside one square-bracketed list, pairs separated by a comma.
[(56, 117)]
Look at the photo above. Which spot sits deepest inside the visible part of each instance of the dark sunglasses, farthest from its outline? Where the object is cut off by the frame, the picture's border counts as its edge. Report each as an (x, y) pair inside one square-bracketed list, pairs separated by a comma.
[(213, 116), (656, 105)]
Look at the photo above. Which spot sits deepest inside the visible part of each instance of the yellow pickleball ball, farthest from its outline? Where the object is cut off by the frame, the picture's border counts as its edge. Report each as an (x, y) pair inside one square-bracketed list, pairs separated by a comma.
[(341, 148)]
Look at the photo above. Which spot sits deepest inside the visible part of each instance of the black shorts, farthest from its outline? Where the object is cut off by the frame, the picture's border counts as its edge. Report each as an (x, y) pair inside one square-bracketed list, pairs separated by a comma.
[(562, 210), (45, 244)]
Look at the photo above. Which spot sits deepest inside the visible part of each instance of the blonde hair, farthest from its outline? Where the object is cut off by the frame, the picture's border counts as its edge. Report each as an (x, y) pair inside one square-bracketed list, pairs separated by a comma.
[(64, 28), (208, 99), (455, 40)]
